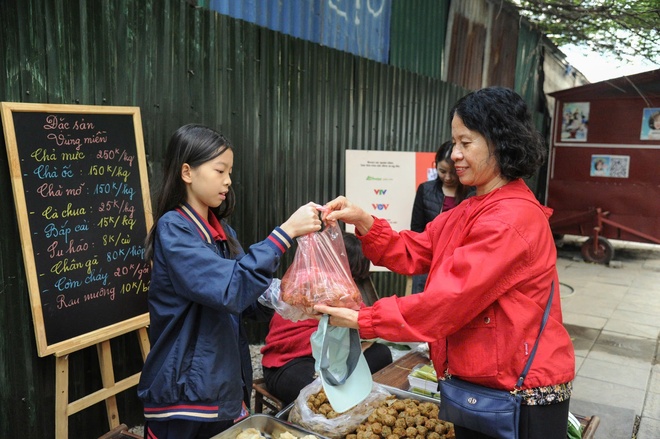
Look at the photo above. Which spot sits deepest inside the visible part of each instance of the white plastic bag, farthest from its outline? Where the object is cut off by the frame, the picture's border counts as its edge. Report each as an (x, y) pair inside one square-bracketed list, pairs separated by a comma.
[(341, 425), (271, 299)]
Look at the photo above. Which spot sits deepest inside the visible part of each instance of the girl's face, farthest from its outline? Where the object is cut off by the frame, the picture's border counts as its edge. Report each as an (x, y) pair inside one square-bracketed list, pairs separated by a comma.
[(656, 123), (474, 160), (207, 184), (447, 174)]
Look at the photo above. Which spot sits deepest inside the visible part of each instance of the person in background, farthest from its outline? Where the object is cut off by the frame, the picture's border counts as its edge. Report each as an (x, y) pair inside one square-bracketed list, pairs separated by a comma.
[(491, 263), (436, 196), (197, 378), (287, 362)]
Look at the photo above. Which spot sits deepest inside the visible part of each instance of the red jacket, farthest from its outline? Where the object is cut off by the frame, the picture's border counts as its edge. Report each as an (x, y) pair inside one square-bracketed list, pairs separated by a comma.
[(491, 261)]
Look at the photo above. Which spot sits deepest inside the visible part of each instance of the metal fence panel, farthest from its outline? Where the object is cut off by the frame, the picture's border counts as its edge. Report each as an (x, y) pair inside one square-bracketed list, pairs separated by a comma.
[(291, 107)]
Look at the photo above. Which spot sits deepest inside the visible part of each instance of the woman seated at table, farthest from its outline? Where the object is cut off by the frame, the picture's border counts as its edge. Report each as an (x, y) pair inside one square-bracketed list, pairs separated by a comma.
[(287, 362)]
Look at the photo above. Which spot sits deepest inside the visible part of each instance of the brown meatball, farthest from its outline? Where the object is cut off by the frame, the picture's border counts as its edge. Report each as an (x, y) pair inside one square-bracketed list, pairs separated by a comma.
[(389, 420), (412, 411), (399, 431), (377, 427), (398, 405), (332, 414), (431, 423)]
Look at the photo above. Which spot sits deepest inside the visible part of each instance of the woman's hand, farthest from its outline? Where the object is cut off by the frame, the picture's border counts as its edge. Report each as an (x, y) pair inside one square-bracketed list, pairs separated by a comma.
[(303, 221), (343, 317), (342, 209)]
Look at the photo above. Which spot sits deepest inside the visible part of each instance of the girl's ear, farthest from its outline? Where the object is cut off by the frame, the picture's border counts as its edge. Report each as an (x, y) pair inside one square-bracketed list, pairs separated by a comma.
[(186, 174)]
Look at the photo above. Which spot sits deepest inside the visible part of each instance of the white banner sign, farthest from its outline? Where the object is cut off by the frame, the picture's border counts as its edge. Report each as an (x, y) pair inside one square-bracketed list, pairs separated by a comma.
[(384, 183)]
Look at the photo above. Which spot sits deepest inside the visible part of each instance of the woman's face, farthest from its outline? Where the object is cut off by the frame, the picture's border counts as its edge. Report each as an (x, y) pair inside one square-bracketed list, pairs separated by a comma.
[(447, 174), (474, 160), (656, 123)]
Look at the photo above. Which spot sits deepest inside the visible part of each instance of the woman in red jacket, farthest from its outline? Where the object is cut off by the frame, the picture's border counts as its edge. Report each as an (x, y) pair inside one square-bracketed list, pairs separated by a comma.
[(491, 262)]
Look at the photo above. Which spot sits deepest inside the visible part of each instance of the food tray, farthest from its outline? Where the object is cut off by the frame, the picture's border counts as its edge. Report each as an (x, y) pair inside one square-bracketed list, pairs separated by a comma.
[(270, 426), (401, 394)]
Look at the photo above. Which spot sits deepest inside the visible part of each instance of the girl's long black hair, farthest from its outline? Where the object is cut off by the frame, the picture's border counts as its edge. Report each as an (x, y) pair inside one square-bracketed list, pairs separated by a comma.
[(193, 144)]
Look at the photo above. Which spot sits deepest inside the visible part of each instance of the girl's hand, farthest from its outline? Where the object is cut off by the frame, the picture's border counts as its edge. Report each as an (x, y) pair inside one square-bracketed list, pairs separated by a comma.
[(303, 221), (342, 209), (344, 317)]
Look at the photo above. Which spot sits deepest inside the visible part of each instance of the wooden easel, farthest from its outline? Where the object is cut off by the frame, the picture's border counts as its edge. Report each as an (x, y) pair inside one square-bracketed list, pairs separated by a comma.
[(64, 408), (33, 130)]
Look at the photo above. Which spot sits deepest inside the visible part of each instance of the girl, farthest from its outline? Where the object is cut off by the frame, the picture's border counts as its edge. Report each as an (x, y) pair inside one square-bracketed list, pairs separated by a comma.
[(437, 196), (197, 379)]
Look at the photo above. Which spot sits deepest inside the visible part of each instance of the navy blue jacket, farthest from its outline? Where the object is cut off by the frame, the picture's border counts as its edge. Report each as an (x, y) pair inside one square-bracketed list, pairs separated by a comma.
[(197, 367)]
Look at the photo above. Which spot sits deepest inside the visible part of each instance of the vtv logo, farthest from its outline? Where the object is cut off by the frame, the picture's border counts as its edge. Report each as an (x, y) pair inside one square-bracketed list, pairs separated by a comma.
[(380, 191), (380, 206)]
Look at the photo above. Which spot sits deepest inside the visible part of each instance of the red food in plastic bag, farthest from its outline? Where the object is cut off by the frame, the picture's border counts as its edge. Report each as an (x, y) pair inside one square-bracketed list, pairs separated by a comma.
[(320, 273)]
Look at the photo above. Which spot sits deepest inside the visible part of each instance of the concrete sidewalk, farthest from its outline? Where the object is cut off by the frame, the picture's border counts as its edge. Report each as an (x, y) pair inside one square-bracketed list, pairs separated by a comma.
[(613, 315)]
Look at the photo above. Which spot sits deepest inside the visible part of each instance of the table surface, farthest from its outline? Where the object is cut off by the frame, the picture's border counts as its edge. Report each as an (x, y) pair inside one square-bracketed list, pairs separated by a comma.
[(396, 375)]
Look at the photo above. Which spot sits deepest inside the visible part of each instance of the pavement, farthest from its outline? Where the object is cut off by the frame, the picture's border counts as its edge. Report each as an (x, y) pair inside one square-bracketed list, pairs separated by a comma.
[(613, 315)]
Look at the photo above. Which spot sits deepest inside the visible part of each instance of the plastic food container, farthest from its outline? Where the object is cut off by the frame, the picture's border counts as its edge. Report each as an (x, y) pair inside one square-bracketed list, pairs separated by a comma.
[(269, 426), (423, 381)]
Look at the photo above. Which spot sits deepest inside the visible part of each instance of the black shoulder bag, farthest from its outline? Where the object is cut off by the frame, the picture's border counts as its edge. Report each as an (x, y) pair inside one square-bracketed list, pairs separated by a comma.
[(492, 412)]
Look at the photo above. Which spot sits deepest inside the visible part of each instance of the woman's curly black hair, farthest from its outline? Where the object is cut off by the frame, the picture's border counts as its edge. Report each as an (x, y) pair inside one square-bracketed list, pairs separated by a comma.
[(502, 117)]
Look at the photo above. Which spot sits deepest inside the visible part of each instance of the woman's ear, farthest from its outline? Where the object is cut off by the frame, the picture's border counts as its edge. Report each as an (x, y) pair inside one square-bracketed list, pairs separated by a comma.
[(186, 173)]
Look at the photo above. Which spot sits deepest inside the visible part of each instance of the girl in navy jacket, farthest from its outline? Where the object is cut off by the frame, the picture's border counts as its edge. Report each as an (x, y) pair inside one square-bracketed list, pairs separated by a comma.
[(197, 377)]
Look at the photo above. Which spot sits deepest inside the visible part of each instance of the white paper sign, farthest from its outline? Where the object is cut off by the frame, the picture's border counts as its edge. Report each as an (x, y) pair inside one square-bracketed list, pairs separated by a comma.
[(384, 183)]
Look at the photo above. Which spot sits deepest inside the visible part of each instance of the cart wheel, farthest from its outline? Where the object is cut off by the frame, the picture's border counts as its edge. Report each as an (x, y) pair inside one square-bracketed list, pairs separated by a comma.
[(602, 254)]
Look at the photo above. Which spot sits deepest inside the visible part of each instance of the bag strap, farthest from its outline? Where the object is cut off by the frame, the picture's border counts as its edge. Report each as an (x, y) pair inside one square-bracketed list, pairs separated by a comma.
[(546, 314), (351, 360)]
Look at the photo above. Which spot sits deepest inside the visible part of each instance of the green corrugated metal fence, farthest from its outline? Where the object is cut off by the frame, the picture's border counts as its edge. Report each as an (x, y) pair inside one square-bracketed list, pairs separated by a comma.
[(290, 107)]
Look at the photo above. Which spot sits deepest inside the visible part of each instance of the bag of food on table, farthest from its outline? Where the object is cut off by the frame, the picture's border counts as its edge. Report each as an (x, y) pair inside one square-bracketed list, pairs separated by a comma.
[(320, 274), (312, 411)]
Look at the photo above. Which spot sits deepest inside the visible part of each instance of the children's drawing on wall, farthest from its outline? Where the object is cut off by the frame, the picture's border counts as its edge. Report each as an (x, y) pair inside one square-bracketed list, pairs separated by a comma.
[(613, 166), (650, 124), (575, 122)]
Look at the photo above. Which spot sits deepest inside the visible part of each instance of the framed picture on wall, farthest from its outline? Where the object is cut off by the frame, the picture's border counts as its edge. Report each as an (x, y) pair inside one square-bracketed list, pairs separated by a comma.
[(575, 122), (650, 124)]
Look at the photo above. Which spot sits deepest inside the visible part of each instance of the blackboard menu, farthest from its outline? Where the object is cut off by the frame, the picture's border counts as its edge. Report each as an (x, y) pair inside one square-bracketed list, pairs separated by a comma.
[(81, 195)]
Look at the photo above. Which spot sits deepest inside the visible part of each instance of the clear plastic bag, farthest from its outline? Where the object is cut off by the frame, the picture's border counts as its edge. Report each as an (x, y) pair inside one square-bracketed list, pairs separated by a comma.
[(271, 299), (341, 425), (320, 274)]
